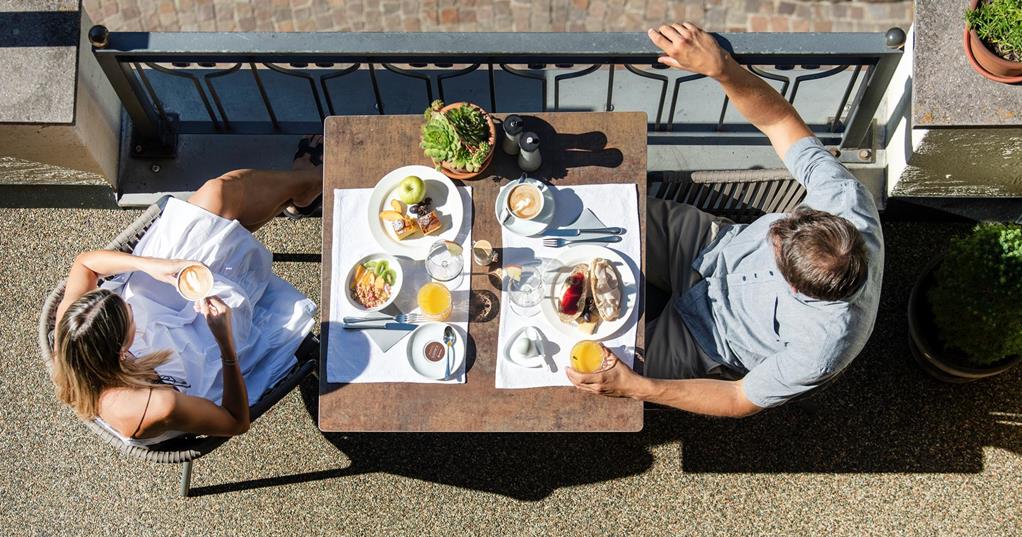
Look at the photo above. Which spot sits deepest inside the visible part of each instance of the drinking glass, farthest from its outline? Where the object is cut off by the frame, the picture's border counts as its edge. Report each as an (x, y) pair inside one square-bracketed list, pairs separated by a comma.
[(587, 356), (435, 301), (444, 262), (483, 253), (526, 292)]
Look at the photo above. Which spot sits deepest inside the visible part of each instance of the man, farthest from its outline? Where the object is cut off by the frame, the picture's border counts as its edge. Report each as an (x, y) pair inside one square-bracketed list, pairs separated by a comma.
[(764, 312)]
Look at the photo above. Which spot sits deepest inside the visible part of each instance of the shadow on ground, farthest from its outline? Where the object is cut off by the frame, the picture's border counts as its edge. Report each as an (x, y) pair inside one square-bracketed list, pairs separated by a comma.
[(883, 415)]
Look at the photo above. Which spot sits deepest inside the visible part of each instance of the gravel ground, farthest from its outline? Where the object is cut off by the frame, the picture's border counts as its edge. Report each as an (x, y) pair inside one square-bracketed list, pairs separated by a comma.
[(886, 450)]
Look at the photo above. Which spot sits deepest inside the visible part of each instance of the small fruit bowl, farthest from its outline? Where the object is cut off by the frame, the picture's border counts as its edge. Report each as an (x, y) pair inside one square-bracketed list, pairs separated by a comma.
[(373, 274)]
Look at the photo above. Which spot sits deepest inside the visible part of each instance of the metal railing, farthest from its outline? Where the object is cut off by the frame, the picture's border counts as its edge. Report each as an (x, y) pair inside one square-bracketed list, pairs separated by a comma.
[(284, 83)]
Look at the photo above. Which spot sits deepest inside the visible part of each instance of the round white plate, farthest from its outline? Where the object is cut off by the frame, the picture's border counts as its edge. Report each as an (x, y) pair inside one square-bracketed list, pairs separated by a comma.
[(584, 253), (446, 200), (395, 289), (532, 361), (526, 228), (423, 335)]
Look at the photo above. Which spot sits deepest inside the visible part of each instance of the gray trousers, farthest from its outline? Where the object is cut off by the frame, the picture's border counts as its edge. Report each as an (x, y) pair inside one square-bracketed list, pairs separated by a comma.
[(675, 234)]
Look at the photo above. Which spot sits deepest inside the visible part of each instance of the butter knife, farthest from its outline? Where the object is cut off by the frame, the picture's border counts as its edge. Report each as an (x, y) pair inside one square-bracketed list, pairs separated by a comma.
[(577, 232), (387, 326)]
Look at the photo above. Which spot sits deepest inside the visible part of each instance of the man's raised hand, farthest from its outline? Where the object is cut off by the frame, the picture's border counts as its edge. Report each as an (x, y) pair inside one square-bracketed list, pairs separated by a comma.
[(690, 48)]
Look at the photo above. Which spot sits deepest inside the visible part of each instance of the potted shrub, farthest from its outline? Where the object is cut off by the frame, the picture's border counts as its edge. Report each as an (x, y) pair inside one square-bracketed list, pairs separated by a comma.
[(459, 138), (965, 312), (993, 39)]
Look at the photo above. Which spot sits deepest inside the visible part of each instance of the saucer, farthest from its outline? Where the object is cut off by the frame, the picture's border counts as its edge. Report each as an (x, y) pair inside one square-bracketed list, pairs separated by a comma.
[(536, 360), (436, 370), (519, 226)]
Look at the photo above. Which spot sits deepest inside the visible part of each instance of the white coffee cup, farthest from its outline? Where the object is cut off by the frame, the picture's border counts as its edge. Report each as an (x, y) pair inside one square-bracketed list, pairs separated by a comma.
[(194, 282)]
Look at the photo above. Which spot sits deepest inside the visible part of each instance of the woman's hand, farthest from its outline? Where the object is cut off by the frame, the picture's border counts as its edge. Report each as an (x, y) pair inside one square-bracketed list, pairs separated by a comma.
[(218, 317), (166, 270), (614, 380)]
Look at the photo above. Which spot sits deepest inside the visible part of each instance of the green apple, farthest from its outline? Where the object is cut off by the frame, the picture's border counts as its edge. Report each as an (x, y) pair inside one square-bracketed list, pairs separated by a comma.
[(411, 190)]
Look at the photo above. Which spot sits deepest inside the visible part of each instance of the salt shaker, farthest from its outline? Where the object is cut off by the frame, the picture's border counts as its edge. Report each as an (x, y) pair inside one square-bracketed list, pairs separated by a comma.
[(529, 159), (512, 125)]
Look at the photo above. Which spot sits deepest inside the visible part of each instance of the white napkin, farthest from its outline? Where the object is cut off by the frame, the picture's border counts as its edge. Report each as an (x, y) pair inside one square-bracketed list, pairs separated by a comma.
[(616, 205), (354, 356)]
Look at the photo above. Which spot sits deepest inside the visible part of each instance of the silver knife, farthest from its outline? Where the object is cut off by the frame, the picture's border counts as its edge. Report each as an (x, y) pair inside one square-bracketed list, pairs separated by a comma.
[(577, 232), (387, 326)]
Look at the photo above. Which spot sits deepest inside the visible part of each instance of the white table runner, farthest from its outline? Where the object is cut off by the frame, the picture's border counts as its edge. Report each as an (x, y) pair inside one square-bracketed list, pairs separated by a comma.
[(353, 355), (615, 205)]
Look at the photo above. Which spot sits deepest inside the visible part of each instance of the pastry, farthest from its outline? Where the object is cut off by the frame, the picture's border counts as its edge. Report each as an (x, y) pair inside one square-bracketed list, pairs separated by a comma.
[(429, 222), (605, 289), (573, 294), (401, 225)]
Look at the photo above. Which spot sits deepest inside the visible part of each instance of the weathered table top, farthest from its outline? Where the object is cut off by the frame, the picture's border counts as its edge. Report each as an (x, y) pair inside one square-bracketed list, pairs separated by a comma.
[(946, 91), (577, 148)]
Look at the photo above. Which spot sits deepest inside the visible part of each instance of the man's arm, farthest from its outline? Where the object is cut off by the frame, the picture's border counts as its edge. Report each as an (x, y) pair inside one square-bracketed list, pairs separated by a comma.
[(690, 48), (701, 396)]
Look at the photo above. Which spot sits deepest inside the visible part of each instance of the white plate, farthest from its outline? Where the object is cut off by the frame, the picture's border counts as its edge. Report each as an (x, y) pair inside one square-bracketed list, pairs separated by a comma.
[(395, 289), (532, 361), (585, 253), (425, 334), (527, 228), (446, 200)]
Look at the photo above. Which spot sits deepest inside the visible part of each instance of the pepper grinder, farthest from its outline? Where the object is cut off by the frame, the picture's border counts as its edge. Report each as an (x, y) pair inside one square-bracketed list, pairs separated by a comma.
[(529, 159), (512, 125)]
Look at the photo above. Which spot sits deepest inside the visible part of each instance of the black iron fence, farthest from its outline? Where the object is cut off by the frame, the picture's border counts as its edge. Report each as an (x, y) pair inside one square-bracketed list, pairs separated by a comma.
[(282, 83)]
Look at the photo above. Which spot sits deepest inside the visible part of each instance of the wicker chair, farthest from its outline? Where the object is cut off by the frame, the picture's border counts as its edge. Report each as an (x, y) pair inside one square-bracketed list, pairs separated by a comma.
[(740, 195), (182, 450)]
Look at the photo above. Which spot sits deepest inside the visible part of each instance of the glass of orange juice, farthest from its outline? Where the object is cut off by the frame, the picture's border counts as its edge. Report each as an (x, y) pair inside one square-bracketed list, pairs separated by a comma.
[(587, 356), (435, 301)]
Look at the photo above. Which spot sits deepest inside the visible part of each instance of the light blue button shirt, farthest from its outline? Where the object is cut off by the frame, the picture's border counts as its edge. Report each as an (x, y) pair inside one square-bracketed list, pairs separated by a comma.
[(745, 315)]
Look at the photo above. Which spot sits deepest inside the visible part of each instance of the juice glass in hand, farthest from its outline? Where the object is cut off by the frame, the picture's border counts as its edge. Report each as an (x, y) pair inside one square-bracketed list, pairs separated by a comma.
[(587, 356)]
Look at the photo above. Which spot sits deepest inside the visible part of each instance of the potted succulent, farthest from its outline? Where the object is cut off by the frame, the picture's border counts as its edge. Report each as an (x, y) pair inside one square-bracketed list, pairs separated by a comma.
[(459, 138), (965, 312), (993, 39)]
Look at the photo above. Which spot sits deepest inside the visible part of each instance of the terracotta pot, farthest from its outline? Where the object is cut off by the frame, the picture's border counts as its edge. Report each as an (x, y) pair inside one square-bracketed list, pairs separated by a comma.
[(985, 61), (942, 363), (464, 175)]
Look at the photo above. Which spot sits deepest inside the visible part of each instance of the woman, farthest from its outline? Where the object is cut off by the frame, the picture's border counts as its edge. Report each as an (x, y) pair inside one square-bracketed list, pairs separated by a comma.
[(137, 357)]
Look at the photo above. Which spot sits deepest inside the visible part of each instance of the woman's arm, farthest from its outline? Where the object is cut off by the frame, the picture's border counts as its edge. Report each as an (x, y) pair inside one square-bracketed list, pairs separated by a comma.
[(89, 267), (201, 416)]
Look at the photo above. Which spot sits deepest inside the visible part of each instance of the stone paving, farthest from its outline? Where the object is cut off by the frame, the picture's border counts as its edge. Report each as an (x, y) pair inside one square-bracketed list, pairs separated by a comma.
[(497, 15)]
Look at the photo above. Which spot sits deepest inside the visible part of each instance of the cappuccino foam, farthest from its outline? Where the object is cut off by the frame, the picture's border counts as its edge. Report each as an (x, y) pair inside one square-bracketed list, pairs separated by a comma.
[(525, 201), (195, 282)]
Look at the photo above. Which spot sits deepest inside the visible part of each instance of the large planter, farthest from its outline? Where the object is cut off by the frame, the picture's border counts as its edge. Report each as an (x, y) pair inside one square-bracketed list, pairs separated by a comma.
[(465, 175), (985, 61), (943, 363)]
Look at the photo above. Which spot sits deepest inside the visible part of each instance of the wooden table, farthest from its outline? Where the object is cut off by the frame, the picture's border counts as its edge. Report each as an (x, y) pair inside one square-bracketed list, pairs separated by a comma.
[(577, 148)]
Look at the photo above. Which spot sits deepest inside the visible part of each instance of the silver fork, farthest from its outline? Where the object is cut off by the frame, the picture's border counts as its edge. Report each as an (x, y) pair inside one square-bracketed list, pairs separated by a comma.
[(558, 242), (401, 318)]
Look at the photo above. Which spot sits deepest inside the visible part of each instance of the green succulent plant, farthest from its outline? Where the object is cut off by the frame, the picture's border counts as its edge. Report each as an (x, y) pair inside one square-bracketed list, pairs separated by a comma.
[(999, 24), (977, 299), (458, 137)]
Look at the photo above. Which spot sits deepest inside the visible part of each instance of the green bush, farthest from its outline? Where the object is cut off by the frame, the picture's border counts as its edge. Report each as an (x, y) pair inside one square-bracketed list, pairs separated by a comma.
[(999, 24), (458, 137), (977, 299)]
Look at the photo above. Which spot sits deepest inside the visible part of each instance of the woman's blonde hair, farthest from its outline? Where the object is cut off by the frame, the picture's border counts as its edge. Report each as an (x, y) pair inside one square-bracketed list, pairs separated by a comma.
[(89, 348)]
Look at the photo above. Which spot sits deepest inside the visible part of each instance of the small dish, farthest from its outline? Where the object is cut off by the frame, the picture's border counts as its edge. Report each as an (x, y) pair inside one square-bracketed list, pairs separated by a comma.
[(395, 288), (526, 228), (537, 360), (424, 336)]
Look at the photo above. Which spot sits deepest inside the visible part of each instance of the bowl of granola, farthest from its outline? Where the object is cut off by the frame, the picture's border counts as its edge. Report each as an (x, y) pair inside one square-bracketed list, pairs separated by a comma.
[(374, 282)]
